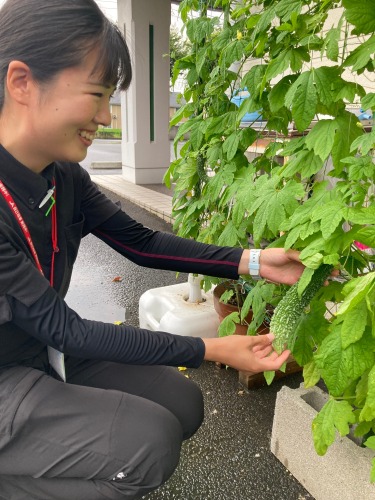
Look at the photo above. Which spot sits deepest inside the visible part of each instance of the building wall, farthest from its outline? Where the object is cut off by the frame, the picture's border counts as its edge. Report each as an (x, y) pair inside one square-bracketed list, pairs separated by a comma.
[(116, 116)]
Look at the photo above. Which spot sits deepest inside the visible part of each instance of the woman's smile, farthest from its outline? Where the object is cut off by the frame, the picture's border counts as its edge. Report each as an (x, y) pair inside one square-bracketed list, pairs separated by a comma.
[(86, 136)]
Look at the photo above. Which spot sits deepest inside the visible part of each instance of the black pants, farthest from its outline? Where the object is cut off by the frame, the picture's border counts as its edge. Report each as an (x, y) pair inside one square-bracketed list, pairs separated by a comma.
[(111, 432)]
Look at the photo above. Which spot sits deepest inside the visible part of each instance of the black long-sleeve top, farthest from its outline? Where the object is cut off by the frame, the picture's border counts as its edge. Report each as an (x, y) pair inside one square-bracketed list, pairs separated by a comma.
[(33, 314)]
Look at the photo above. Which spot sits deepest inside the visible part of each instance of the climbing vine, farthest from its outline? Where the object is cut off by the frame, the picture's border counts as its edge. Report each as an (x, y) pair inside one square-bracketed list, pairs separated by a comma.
[(310, 185)]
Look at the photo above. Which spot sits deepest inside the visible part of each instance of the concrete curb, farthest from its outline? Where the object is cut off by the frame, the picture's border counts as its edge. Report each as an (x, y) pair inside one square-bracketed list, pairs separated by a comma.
[(156, 203), (100, 165), (342, 473)]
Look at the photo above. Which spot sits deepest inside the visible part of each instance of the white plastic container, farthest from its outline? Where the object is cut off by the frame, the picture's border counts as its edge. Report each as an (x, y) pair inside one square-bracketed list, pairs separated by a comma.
[(168, 309)]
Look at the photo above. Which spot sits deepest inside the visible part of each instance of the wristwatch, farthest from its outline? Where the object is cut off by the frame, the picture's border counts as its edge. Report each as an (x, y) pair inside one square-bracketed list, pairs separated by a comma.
[(254, 266)]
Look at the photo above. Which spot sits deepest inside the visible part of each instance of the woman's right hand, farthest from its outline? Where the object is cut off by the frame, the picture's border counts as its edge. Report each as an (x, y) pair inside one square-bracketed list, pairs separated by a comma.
[(246, 353)]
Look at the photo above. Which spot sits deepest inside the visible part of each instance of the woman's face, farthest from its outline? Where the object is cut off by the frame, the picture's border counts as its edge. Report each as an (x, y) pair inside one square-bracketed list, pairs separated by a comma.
[(66, 113)]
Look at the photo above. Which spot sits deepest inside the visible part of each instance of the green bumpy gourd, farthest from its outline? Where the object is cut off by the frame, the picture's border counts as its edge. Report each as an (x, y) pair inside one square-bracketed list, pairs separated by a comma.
[(288, 312), (201, 168)]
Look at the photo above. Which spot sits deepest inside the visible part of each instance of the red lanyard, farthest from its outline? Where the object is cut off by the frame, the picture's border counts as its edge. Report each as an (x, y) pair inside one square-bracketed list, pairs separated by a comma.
[(17, 214)]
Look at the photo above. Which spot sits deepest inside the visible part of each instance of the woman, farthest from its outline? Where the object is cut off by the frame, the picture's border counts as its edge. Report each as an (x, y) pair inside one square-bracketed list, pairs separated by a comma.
[(115, 428)]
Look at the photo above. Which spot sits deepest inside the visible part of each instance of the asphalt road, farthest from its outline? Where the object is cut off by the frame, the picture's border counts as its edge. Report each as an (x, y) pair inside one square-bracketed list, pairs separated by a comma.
[(95, 295)]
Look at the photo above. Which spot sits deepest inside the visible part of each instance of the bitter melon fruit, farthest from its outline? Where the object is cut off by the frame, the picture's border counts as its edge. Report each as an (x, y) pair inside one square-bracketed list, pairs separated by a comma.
[(288, 312)]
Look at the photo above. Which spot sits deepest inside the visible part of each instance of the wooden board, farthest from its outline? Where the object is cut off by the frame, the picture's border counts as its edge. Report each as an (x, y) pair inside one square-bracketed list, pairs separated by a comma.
[(254, 380)]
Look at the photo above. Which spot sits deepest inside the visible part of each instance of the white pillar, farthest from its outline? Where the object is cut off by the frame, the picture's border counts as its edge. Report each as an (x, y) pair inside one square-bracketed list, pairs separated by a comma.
[(145, 106)]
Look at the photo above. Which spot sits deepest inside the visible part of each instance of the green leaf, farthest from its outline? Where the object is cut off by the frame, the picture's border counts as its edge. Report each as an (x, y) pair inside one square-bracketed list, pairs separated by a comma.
[(361, 167), (305, 163), (233, 52), (356, 291), (311, 374), (346, 132), (187, 176), (303, 99), (304, 280), (253, 79), (184, 111), (330, 215), (361, 390), (335, 415), (284, 8), (247, 137), (372, 475), (366, 235), (269, 214), (199, 28), (312, 261), (308, 229), (230, 145), (325, 77), (332, 44), (224, 177), (360, 13), (222, 39), (229, 237), (214, 153), (354, 324), (332, 259), (330, 361), (361, 215), (368, 410), (183, 129), (368, 101), (269, 376), (228, 325), (221, 123), (279, 64), (364, 143), (247, 305), (196, 135), (370, 442), (359, 356), (321, 138), (201, 58), (347, 91), (273, 204), (180, 65), (360, 56), (293, 146), (298, 57), (303, 213), (277, 95), (238, 213), (311, 330), (227, 295), (192, 76), (264, 21)]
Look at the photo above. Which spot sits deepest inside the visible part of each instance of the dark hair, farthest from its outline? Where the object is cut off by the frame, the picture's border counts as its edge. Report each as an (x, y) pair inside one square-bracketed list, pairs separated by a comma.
[(53, 35)]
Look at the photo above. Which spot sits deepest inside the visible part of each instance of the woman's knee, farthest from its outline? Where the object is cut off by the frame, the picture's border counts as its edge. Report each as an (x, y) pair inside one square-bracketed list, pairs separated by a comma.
[(162, 453), (191, 408), (156, 450)]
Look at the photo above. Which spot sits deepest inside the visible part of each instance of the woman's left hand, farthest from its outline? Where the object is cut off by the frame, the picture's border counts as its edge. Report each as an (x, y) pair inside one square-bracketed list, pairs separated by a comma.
[(246, 353), (280, 266), (277, 265)]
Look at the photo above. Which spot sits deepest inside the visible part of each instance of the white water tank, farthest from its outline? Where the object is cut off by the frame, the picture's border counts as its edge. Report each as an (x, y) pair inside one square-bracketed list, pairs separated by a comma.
[(182, 309)]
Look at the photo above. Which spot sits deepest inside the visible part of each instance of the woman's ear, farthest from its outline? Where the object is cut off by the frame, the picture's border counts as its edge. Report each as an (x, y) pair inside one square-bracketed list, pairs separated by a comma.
[(19, 82)]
